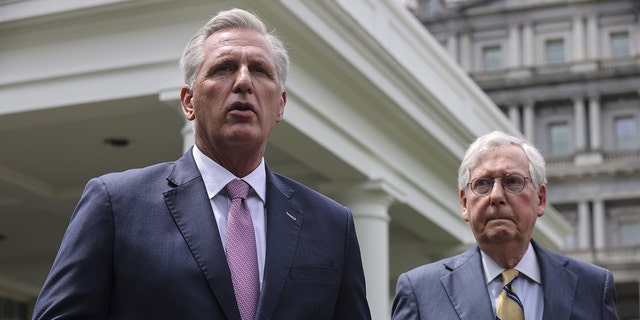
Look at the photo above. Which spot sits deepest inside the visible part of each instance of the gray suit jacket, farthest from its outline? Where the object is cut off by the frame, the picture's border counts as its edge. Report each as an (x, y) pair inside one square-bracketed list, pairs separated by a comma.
[(143, 244), (455, 288)]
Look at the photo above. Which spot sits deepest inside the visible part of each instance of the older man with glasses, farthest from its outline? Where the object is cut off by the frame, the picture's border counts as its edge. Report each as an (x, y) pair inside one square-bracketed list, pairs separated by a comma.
[(507, 275)]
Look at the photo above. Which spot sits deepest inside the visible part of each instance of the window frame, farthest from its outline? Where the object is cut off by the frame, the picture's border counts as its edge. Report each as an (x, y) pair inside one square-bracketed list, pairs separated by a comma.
[(548, 54), (550, 137)]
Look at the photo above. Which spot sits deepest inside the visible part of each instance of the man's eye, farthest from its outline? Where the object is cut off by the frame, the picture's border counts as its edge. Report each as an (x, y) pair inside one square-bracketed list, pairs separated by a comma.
[(222, 68), (261, 70), (511, 181), (483, 182)]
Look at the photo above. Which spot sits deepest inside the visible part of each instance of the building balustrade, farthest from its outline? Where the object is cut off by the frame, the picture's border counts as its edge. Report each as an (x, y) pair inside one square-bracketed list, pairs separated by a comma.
[(553, 69), (608, 256), (620, 62), (571, 165), (633, 156)]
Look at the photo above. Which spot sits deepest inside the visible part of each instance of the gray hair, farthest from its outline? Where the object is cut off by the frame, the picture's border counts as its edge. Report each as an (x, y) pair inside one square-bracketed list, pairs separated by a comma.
[(497, 139), (193, 55)]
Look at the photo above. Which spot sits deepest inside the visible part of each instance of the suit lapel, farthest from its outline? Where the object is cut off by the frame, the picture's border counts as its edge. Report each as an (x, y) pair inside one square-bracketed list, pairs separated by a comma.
[(284, 222), (466, 290), (189, 205), (558, 284)]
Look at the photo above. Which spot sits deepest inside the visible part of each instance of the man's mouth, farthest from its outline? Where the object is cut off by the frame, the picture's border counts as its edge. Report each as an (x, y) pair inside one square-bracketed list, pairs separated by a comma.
[(242, 106)]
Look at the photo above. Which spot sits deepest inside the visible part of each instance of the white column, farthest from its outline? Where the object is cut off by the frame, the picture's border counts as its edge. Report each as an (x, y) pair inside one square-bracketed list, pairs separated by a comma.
[(171, 98), (465, 51), (592, 37), (578, 39), (529, 121), (527, 45), (579, 120), (369, 203), (583, 225), (452, 46), (594, 123), (514, 116), (599, 225), (514, 46), (188, 139)]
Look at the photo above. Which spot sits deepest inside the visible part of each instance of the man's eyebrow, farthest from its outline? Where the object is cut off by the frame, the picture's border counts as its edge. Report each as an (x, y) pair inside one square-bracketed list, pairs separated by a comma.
[(260, 62)]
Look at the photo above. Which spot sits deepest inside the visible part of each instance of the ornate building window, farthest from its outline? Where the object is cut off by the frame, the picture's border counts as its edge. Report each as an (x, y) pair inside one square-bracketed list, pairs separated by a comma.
[(627, 222), (492, 57), (555, 51), (559, 139), (619, 42), (626, 133), (629, 231)]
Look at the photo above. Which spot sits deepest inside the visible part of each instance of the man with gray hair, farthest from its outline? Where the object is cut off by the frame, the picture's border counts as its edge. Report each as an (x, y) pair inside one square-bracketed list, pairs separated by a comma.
[(507, 275), (215, 234)]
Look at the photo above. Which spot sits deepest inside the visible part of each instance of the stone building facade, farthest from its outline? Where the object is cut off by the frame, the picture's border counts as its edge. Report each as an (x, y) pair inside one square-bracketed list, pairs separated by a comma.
[(567, 74)]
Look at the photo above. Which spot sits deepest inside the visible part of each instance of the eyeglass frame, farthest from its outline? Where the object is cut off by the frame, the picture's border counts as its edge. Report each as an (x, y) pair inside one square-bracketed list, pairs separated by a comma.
[(493, 182)]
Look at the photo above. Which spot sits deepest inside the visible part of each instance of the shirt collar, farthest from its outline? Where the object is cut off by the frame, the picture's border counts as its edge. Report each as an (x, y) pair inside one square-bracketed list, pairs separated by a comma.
[(216, 177), (528, 266)]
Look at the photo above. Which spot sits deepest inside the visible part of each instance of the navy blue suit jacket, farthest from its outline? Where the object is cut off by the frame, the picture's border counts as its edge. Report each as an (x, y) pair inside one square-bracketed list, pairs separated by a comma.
[(143, 244), (455, 288)]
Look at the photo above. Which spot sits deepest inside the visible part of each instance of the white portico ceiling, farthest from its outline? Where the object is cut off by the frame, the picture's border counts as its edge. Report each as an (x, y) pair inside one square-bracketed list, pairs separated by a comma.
[(371, 97)]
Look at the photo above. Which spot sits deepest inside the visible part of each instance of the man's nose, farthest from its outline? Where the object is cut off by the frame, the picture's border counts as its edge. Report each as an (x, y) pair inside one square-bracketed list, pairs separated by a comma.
[(497, 192), (243, 82)]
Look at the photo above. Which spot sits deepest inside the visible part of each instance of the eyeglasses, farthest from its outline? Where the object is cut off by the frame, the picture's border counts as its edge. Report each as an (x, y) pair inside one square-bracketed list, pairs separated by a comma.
[(511, 182)]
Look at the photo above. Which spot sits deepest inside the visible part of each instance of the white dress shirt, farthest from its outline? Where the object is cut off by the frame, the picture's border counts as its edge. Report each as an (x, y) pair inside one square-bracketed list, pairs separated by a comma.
[(215, 178), (528, 286)]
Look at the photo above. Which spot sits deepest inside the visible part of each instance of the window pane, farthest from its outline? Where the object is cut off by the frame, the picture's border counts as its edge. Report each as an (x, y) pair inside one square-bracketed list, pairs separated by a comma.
[(630, 234), (620, 44), (492, 58), (626, 133), (560, 142), (555, 51)]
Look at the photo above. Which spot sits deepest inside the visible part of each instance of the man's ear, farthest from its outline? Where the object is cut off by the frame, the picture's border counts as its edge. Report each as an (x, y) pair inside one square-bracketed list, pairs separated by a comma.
[(463, 205), (283, 102), (186, 98), (542, 200)]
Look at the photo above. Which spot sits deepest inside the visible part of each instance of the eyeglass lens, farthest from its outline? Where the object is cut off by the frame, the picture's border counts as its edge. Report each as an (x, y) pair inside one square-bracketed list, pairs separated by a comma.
[(512, 183)]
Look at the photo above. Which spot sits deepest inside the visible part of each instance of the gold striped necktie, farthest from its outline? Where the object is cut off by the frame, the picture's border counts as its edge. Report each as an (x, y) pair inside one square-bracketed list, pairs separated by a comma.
[(509, 306)]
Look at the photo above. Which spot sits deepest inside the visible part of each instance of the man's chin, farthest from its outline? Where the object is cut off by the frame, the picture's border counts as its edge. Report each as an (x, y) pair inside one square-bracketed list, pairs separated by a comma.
[(500, 234)]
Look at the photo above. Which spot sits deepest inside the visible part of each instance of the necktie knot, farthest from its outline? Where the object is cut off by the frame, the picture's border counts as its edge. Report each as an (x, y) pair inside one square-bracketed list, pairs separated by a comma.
[(237, 188), (508, 276)]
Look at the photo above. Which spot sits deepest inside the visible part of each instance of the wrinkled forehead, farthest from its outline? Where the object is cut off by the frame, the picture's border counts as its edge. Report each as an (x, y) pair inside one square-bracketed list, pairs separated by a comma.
[(237, 41), (501, 159)]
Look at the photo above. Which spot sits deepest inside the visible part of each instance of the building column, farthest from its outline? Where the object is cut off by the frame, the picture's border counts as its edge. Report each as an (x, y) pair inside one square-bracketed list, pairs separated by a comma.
[(594, 123), (527, 45), (599, 225), (465, 51), (592, 37), (583, 225), (172, 99), (513, 60), (578, 39), (369, 203), (188, 139), (528, 123), (579, 120), (514, 116), (452, 47)]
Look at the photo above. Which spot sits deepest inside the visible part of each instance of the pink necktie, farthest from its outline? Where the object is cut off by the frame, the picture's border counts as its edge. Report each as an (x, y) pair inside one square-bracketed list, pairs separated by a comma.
[(241, 250)]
